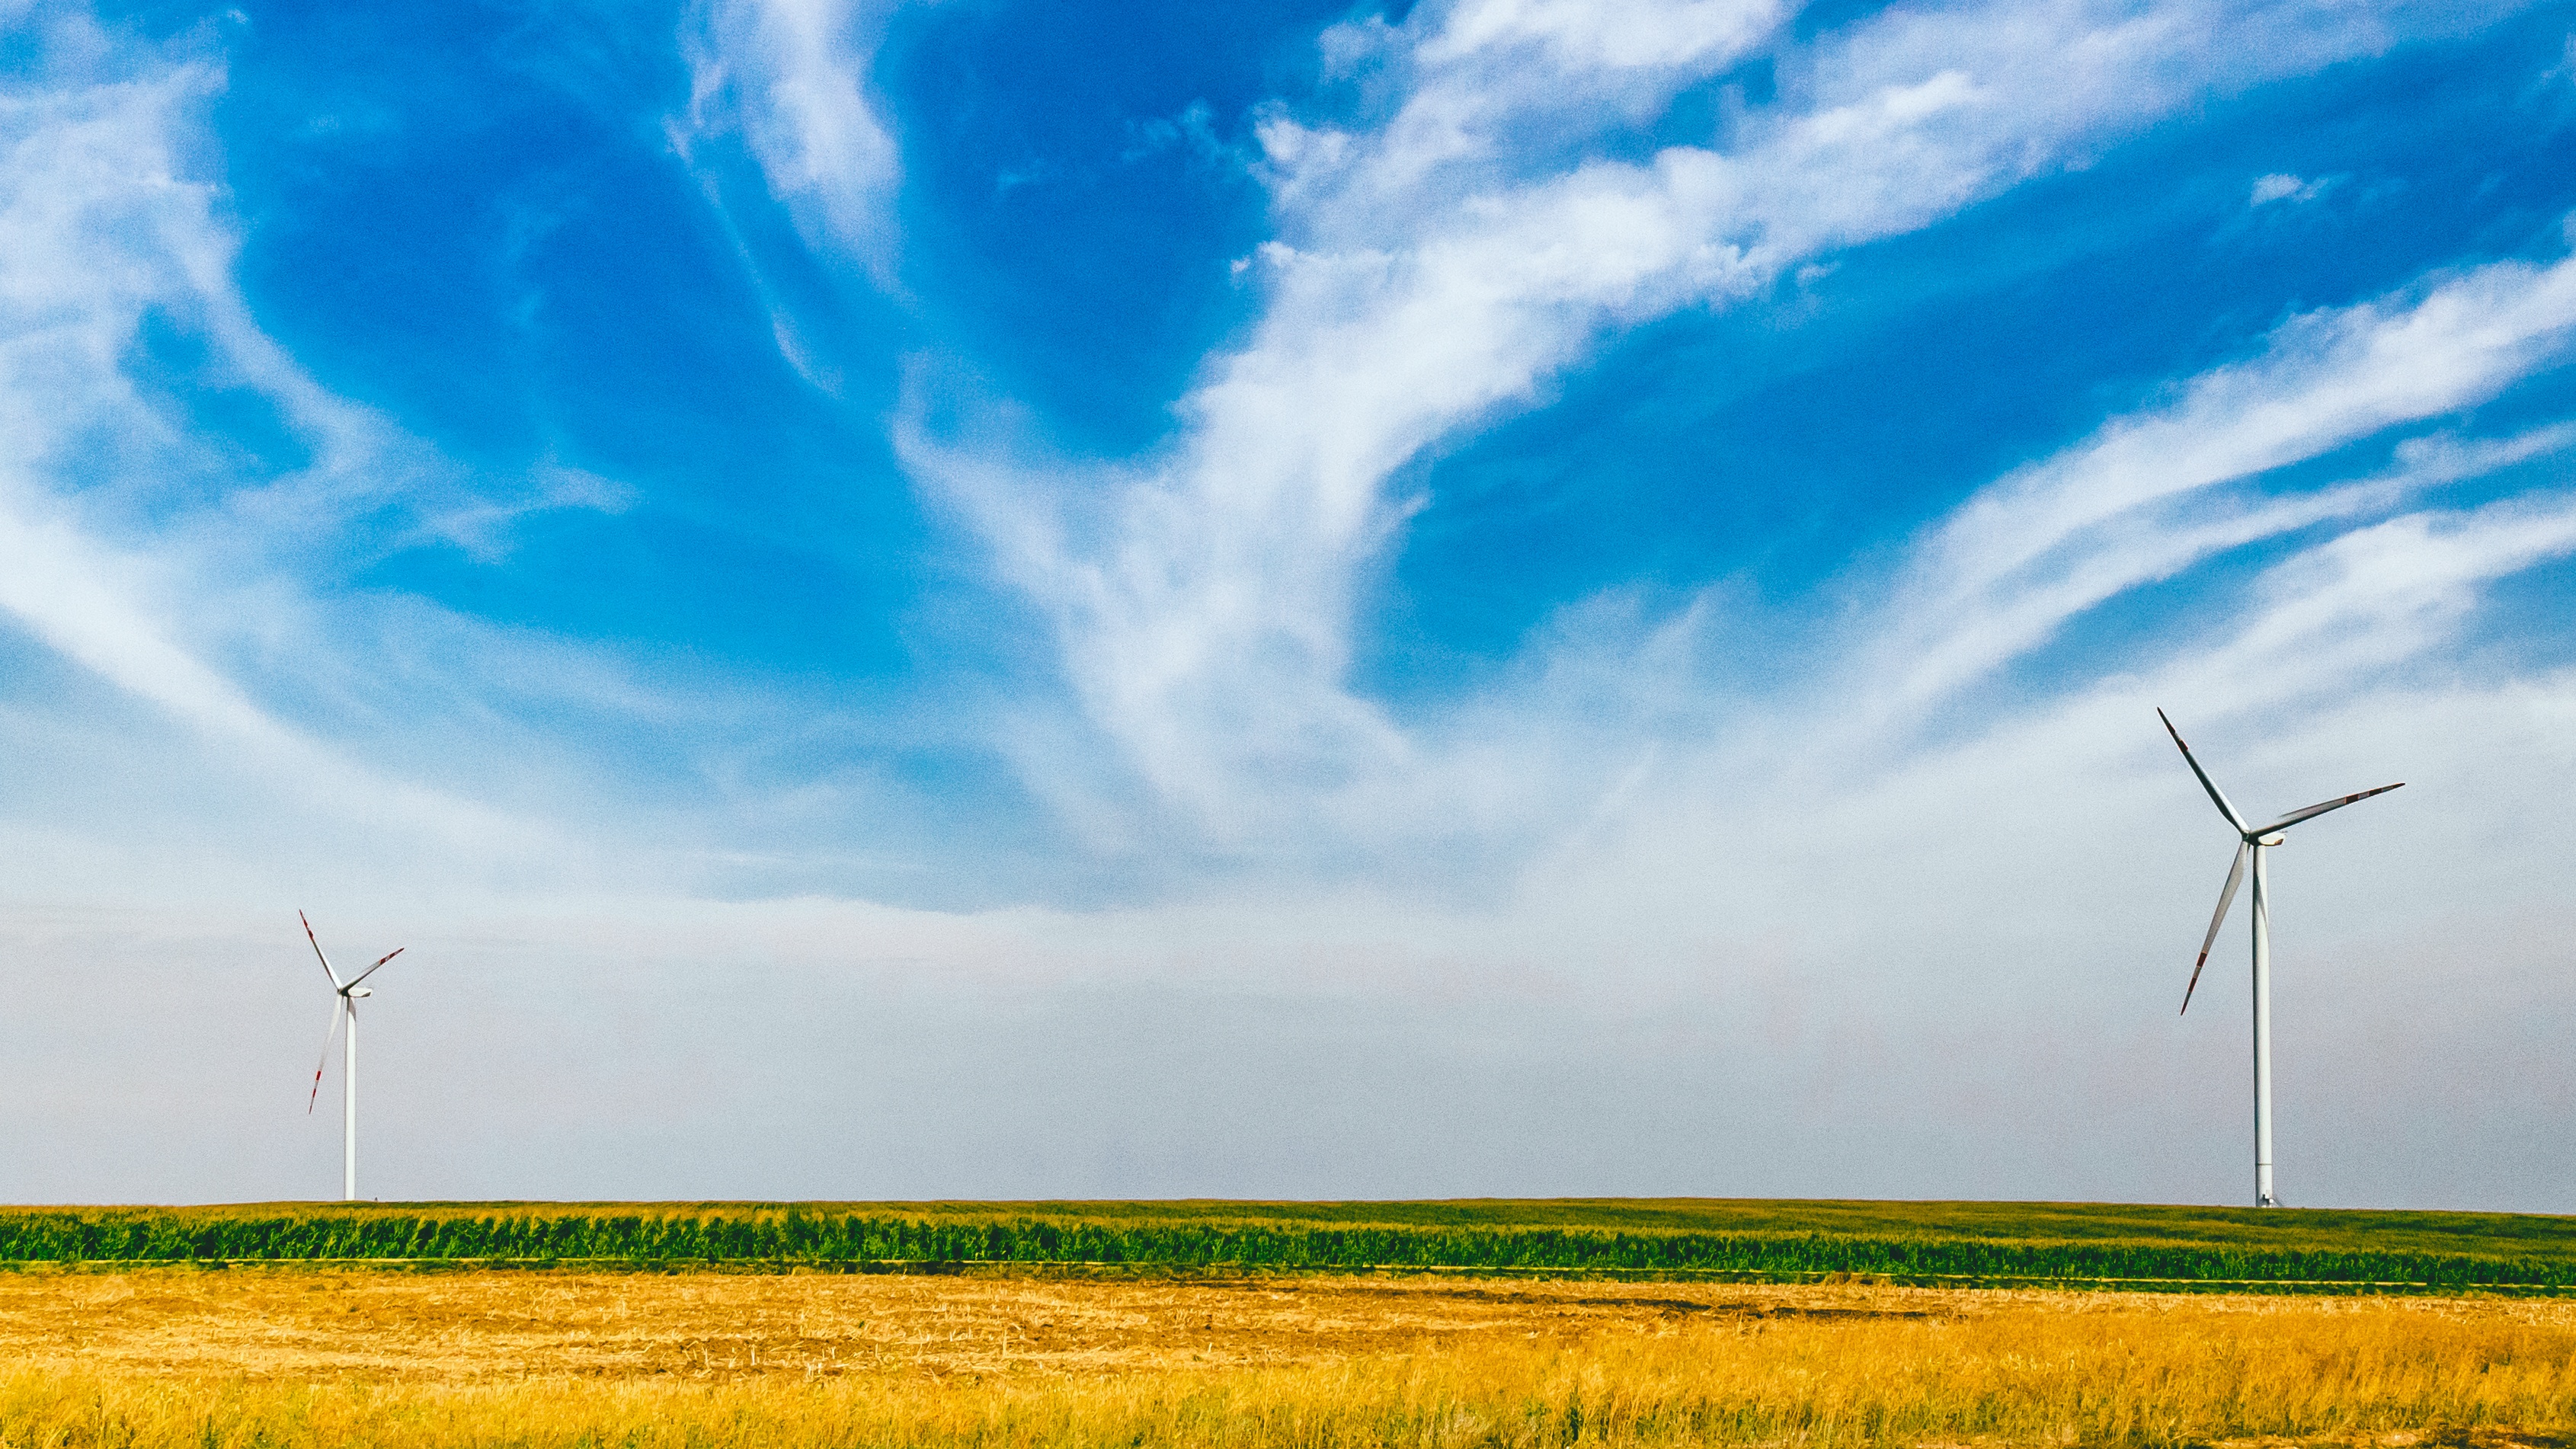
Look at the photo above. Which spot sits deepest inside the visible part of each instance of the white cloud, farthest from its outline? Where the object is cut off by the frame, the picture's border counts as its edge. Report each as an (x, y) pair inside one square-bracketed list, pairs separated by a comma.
[(1579, 38), (273, 717), (2279, 186), (792, 75), (2118, 509), (1476, 83), (1425, 277), (133, 545)]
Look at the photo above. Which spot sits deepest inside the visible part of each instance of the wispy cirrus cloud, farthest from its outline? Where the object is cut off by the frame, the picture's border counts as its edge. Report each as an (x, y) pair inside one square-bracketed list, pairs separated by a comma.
[(2128, 505), (134, 541), (1439, 267), (792, 77)]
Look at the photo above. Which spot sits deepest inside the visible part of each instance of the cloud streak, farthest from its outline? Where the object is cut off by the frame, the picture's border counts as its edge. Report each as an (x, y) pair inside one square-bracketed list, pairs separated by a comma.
[(131, 542), (1206, 598), (791, 76), (2116, 510)]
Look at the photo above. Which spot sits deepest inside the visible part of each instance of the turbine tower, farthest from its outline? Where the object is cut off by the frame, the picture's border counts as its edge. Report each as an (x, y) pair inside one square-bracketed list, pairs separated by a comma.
[(2253, 842), (344, 1003)]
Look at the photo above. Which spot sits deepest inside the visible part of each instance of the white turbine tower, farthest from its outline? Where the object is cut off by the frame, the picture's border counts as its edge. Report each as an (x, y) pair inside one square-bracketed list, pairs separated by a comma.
[(2253, 841), (344, 1003)]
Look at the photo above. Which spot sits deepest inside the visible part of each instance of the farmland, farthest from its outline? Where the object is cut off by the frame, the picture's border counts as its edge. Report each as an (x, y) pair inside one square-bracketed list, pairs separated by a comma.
[(1619, 1322), (292, 1356), (1928, 1244)]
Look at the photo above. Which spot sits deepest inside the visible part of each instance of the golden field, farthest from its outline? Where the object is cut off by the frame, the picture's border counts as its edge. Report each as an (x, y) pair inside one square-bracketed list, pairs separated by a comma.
[(288, 1357)]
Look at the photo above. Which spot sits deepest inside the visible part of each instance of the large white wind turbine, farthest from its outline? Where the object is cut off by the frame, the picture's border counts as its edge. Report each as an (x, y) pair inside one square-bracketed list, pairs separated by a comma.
[(2253, 842), (344, 1004)]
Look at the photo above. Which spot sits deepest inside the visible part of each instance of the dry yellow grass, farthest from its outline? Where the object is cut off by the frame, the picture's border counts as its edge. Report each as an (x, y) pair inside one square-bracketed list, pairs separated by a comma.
[(289, 1358)]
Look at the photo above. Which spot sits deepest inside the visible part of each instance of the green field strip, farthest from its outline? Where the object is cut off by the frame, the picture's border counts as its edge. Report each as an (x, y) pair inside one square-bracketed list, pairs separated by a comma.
[(1244, 1272), (1992, 1243)]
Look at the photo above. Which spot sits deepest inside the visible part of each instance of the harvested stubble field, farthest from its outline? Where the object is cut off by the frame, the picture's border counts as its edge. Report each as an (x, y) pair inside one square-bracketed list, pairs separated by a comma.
[(294, 1357)]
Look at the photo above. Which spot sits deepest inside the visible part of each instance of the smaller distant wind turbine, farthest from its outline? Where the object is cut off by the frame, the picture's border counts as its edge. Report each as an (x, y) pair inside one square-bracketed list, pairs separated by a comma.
[(344, 1003), (2251, 843)]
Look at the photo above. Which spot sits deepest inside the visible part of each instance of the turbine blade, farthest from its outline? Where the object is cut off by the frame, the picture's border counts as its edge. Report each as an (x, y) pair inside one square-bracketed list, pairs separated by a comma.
[(317, 952), (2217, 796), (337, 1003), (380, 961), (2313, 811), (2226, 898)]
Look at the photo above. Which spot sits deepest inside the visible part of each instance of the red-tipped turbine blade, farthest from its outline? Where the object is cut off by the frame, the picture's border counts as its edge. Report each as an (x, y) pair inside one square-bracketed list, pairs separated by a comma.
[(2217, 797), (337, 1003), (381, 960), (2313, 811), (2226, 897), (317, 952)]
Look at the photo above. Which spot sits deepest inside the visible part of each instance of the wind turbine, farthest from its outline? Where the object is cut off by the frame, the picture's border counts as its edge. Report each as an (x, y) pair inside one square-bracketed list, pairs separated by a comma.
[(344, 1003), (2254, 842)]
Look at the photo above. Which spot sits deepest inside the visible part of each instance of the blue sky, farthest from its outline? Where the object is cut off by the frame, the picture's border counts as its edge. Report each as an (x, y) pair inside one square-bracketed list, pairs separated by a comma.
[(1512, 596)]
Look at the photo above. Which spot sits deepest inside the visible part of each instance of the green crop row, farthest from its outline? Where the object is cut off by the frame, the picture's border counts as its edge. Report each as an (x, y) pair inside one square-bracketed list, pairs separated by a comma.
[(791, 1235)]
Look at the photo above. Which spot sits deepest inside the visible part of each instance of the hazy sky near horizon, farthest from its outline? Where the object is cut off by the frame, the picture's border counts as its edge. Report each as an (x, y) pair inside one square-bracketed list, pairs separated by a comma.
[(934, 598)]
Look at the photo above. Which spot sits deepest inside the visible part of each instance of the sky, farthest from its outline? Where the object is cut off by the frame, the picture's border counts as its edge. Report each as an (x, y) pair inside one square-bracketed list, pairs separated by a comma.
[(904, 599)]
